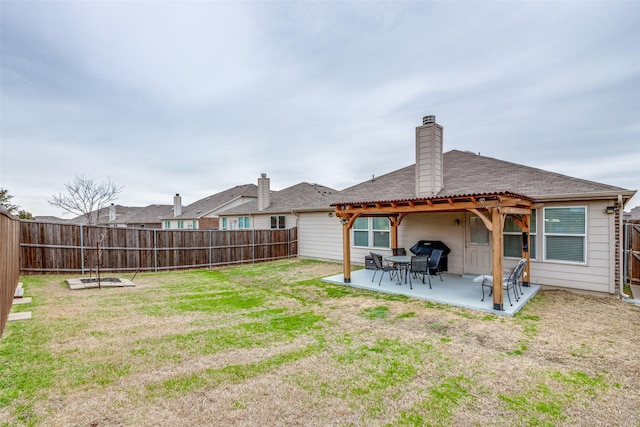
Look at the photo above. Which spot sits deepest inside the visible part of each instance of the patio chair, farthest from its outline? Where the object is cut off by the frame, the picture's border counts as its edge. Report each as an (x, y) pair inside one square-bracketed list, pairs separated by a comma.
[(510, 282), (434, 263), (382, 266), (399, 251), (420, 267)]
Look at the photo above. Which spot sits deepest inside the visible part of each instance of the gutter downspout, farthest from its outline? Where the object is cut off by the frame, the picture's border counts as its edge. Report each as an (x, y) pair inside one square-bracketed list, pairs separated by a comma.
[(621, 252)]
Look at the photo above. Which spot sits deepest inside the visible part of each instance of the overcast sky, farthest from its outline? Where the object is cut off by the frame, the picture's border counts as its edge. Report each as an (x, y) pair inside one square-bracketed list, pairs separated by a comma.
[(166, 97)]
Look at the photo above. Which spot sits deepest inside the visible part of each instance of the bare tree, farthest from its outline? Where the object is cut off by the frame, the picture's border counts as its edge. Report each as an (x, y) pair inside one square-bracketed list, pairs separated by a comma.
[(86, 197)]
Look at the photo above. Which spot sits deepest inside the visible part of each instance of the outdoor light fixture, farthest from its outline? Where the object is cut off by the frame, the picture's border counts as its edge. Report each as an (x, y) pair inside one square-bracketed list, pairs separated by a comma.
[(610, 210), (456, 222), (344, 221)]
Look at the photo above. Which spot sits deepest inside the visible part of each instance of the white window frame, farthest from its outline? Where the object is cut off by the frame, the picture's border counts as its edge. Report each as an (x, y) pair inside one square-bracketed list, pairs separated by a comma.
[(582, 235), (280, 221), (371, 233), (532, 237), (244, 223)]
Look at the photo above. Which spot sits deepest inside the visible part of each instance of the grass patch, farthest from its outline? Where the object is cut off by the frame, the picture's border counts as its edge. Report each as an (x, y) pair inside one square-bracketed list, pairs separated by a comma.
[(272, 344)]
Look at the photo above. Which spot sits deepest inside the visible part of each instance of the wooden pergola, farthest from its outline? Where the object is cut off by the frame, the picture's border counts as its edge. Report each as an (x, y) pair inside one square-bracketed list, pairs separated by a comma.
[(492, 209)]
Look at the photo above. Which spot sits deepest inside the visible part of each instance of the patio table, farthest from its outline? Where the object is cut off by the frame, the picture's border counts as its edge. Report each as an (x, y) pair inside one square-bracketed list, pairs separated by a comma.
[(404, 262)]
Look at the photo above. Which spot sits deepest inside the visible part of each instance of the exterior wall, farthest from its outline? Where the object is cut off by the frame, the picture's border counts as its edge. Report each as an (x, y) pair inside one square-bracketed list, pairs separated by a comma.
[(263, 221), (320, 237), (599, 272), (208, 223), (188, 224), (436, 226)]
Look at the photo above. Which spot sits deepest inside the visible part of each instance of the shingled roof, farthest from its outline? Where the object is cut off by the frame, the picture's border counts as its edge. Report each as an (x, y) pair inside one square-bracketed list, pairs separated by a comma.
[(149, 214), (208, 204), (467, 174), (288, 199)]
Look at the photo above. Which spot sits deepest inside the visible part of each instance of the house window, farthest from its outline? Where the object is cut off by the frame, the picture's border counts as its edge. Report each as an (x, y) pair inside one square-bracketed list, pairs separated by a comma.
[(371, 233), (167, 224), (277, 221), (224, 223), (565, 234), (243, 223), (194, 224), (180, 225), (513, 237)]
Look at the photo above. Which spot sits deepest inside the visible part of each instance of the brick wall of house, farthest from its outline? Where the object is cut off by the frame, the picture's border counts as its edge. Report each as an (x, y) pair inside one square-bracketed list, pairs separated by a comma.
[(209, 223)]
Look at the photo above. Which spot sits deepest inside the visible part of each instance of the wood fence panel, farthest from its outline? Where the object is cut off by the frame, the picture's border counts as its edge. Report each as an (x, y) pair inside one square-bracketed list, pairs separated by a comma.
[(633, 251), (62, 248), (9, 264)]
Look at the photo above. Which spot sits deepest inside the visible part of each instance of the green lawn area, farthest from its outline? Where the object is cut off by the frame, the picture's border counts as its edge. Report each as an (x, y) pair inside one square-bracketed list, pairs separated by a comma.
[(271, 345)]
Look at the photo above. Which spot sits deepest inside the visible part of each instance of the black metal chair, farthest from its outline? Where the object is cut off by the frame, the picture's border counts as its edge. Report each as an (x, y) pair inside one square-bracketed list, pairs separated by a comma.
[(419, 267), (381, 266), (510, 282), (399, 251), (434, 263)]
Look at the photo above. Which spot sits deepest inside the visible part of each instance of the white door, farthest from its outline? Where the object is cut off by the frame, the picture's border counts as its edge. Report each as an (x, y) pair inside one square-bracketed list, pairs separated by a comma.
[(477, 259)]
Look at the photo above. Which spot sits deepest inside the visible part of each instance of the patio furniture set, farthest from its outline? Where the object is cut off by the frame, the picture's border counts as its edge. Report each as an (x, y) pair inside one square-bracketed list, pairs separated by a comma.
[(403, 267)]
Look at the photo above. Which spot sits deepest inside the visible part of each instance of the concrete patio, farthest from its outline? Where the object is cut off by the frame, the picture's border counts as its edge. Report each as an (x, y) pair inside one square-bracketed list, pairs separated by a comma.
[(456, 290)]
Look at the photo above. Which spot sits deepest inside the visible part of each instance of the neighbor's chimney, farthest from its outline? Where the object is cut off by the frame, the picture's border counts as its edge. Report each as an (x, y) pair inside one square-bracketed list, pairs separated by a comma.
[(112, 213), (264, 192), (177, 205), (428, 172)]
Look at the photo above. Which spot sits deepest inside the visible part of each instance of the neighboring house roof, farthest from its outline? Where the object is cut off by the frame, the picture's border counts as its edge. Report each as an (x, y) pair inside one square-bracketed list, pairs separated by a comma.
[(635, 213), (51, 219), (148, 214), (466, 174), (288, 199), (122, 212), (216, 201)]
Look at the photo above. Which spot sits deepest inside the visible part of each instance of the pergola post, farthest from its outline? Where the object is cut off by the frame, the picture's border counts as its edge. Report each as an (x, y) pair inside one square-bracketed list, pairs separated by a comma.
[(497, 222), (393, 220), (526, 251), (346, 251)]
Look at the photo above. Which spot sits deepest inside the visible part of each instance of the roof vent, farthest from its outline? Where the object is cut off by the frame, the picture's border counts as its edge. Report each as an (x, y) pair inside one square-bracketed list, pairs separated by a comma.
[(428, 120)]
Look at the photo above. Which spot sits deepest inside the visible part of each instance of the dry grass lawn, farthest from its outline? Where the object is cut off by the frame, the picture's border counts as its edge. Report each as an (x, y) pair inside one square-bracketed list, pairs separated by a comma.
[(271, 345)]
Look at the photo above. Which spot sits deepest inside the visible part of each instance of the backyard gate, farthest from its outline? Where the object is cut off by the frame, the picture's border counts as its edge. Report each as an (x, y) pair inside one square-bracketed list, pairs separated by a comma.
[(632, 251)]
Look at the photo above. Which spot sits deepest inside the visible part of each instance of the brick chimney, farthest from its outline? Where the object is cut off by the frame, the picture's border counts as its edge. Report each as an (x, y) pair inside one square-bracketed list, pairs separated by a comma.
[(264, 192), (177, 205), (429, 176)]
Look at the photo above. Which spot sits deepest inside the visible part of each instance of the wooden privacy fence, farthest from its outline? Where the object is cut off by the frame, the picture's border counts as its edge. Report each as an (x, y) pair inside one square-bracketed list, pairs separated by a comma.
[(65, 248), (9, 264), (632, 251)]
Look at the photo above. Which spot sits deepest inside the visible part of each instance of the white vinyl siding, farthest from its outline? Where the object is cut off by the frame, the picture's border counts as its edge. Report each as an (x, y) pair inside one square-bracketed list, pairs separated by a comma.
[(320, 237), (598, 272)]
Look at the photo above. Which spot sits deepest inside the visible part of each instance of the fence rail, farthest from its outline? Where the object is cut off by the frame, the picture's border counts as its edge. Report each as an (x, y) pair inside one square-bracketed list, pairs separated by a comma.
[(67, 248), (9, 264)]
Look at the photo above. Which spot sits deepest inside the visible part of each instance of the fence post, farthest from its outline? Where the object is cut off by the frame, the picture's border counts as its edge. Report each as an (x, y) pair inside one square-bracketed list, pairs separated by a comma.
[(210, 248), (155, 250), (253, 246), (81, 250)]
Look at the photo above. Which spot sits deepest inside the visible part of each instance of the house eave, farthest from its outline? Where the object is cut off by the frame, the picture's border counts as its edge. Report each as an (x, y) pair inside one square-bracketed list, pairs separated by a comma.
[(569, 197)]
